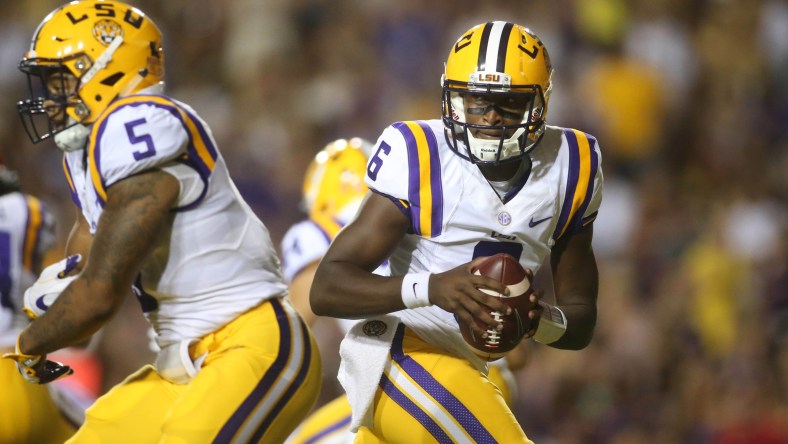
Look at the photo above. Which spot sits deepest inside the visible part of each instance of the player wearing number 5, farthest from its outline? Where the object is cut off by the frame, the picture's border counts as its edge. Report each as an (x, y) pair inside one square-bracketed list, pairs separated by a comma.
[(159, 212), (489, 177)]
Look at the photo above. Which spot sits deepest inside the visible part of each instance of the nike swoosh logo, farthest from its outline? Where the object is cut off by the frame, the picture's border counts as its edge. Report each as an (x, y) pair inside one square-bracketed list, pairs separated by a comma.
[(532, 223), (40, 304), (414, 287)]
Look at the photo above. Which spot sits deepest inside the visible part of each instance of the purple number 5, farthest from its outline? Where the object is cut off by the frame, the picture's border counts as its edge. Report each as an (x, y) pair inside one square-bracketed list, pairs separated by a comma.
[(150, 150)]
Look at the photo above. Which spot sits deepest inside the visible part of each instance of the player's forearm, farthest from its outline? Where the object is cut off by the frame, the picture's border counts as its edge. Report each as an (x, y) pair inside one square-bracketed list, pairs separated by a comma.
[(342, 290), (580, 323), (77, 313)]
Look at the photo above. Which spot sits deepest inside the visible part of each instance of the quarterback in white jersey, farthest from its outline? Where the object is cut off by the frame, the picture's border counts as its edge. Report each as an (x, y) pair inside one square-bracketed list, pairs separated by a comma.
[(333, 191), (159, 212), (490, 177)]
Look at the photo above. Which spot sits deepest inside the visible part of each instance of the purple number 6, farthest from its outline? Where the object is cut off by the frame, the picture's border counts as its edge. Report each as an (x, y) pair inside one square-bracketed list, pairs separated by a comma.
[(376, 161), (145, 138)]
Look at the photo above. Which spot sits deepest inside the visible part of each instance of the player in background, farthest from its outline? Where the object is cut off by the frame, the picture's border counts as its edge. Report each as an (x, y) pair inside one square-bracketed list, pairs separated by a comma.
[(27, 233), (489, 177), (333, 191), (159, 211)]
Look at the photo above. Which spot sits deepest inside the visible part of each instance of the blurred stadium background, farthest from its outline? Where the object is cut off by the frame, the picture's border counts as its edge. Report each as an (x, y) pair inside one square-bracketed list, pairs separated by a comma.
[(688, 98)]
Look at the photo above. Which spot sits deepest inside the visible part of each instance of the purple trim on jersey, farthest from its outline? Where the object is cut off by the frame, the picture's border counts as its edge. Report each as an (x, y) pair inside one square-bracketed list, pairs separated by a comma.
[(191, 150), (97, 160), (517, 187), (590, 218), (443, 396), (322, 231), (338, 425), (413, 175), (186, 161), (401, 206), (414, 178), (436, 181), (249, 405), (70, 180), (578, 220), (203, 134), (574, 172)]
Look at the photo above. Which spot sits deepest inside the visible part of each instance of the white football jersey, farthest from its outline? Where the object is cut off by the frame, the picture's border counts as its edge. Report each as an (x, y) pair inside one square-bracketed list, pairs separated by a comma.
[(26, 233), (456, 215), (220, 260)]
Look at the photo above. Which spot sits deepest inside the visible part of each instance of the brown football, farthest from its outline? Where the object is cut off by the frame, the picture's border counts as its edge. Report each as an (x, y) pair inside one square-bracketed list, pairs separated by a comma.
[(506, 269)]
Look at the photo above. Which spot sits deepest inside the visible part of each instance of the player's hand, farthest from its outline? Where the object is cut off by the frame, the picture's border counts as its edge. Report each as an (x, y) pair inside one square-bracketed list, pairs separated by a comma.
[(37, 369), (457, 291), (53, 280), (535, 313)]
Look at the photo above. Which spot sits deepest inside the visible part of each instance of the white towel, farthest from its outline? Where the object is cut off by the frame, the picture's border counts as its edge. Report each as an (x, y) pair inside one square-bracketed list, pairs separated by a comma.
[(364, 353)]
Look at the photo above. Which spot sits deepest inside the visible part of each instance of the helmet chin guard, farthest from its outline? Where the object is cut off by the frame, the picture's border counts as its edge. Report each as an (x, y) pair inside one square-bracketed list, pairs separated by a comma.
[(72, 138)]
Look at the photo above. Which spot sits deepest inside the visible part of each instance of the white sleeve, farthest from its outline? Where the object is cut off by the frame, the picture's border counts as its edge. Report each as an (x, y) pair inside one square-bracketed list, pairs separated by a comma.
[(191, 182), (303, 244), (599, 183), (133, 139)]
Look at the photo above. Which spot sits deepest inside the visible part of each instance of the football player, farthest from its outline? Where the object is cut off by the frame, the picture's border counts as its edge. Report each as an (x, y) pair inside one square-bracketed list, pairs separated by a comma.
[(26, 235), (490, 176), (333, 191), (159, 212)]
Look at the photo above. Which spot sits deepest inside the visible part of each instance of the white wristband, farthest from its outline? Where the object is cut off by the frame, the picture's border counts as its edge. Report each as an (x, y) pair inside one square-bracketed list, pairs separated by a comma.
[(415, 290), (552, 324)]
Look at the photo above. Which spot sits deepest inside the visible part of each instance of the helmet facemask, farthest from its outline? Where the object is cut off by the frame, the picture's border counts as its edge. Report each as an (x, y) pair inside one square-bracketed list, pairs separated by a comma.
[(515, 140), (111, 51), (502, 67), (54, 99)]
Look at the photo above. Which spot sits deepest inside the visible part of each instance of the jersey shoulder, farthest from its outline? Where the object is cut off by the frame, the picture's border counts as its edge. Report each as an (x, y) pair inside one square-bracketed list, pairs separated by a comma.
[(140, 132), (578, 159), (405, 152)]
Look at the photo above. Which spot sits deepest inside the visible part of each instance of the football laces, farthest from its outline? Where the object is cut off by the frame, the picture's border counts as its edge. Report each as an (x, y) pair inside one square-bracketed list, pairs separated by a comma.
[(493, 335)]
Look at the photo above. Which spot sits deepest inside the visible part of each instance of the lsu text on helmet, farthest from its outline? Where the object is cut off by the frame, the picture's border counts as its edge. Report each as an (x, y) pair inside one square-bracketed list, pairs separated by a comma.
[(334, 183), (496, 61), (110, 48)]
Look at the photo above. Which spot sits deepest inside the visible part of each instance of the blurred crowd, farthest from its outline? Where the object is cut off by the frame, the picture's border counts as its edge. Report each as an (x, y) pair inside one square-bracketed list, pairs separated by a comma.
[(688, 99)]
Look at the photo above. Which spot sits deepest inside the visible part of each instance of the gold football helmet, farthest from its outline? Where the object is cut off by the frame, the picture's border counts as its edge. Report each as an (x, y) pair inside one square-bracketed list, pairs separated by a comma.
[(83, 56), (497, 62), (334, 183)]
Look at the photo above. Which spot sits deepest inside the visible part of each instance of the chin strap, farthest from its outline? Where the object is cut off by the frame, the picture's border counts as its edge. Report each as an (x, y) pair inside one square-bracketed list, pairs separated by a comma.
[(486, 150)]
